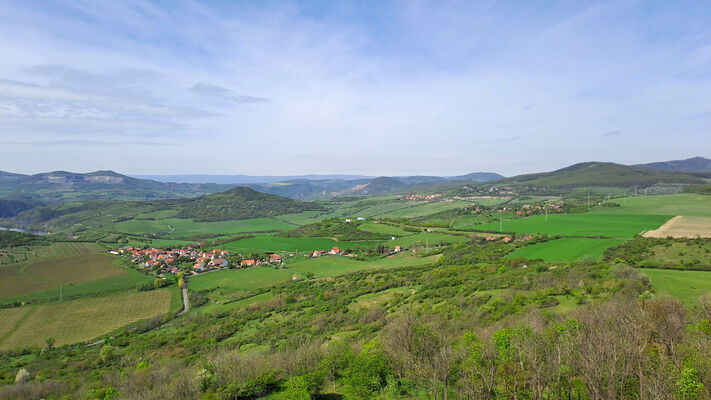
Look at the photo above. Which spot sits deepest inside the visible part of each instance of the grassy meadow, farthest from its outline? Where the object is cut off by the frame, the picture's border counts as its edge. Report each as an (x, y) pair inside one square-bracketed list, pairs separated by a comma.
[(175, 228), (384, 228), (329, 266), (585, 225), (693, 205), (566, 249), (685, 285), (240, 280), (282, 244)]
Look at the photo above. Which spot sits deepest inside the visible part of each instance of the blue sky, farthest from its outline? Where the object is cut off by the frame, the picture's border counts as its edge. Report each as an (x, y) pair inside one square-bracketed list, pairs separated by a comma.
[(363, 87)]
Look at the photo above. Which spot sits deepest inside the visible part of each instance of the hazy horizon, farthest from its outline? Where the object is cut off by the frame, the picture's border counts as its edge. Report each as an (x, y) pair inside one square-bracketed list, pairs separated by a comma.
[(363, 88)]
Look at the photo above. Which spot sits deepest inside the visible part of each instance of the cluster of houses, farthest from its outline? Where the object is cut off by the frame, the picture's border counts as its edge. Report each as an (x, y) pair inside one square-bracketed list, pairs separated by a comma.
[(528, 209), (433, 196), (154, 258), (167, 261), (508, 239)]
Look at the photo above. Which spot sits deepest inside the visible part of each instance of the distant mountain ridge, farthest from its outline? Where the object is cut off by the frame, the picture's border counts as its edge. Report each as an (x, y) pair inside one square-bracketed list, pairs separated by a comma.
[(695, 164), (602, 174), (246, 179), (62, 186)]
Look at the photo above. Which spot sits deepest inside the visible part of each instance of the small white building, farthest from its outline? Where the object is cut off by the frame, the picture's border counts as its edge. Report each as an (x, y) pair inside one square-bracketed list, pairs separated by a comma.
[(361, 218), (349, 220)]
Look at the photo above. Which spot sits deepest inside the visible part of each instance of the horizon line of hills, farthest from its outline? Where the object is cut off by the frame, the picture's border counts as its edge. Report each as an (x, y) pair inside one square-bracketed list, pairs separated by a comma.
[(47, 199), (62, 186)]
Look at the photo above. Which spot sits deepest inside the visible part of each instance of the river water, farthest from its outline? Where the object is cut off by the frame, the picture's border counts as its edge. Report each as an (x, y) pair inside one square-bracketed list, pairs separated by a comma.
[(2, 228)]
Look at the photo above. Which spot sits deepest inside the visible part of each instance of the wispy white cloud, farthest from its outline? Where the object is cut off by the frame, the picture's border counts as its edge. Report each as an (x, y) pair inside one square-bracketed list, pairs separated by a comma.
[(472, 85)]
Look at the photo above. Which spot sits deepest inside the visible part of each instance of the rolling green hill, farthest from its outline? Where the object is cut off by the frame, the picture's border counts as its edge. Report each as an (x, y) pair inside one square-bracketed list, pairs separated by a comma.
[(238, 203), (602, 174)]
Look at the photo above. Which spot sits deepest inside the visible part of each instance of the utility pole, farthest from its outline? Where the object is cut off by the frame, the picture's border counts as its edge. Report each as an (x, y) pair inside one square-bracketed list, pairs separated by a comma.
[(61, 298), (588, 199), (546, 220), (501, 223), (427, 245)]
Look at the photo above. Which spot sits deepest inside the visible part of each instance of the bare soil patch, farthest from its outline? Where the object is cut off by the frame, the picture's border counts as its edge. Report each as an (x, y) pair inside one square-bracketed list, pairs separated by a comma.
[(683, 227)]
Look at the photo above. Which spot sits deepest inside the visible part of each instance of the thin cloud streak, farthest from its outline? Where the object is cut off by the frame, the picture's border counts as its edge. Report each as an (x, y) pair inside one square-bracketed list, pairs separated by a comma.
[(270, 88)]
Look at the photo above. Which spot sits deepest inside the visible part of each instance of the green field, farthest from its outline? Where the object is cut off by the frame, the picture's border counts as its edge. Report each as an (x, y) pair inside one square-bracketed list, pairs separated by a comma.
[(67, 264), (186, 228), (387, 208), (591, 224), (425, 238), (337, 265), (420, 210), (79, 320), (302, 218), (242, 279), (566, 249), (282, 244), (685, 285), (23, 254), (384, 228), (694, 205), (125, 281)]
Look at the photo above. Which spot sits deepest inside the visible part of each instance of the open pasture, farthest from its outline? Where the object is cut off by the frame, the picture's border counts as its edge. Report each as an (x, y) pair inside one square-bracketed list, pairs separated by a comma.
[(385, 228), (337, 265), (426, 238), (387, 208), (683, 227), (693, 205), (566, 249), (81, 320), (240, 279), (425, 209), (685, 285), (282, 244), (302, 218), (185, 228), (586, 225)]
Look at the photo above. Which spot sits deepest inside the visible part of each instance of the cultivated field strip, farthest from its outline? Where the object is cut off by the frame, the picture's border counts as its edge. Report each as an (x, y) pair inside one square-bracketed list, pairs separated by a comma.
[(683, 227), (10, 318), (82, 320), (51, 272)]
